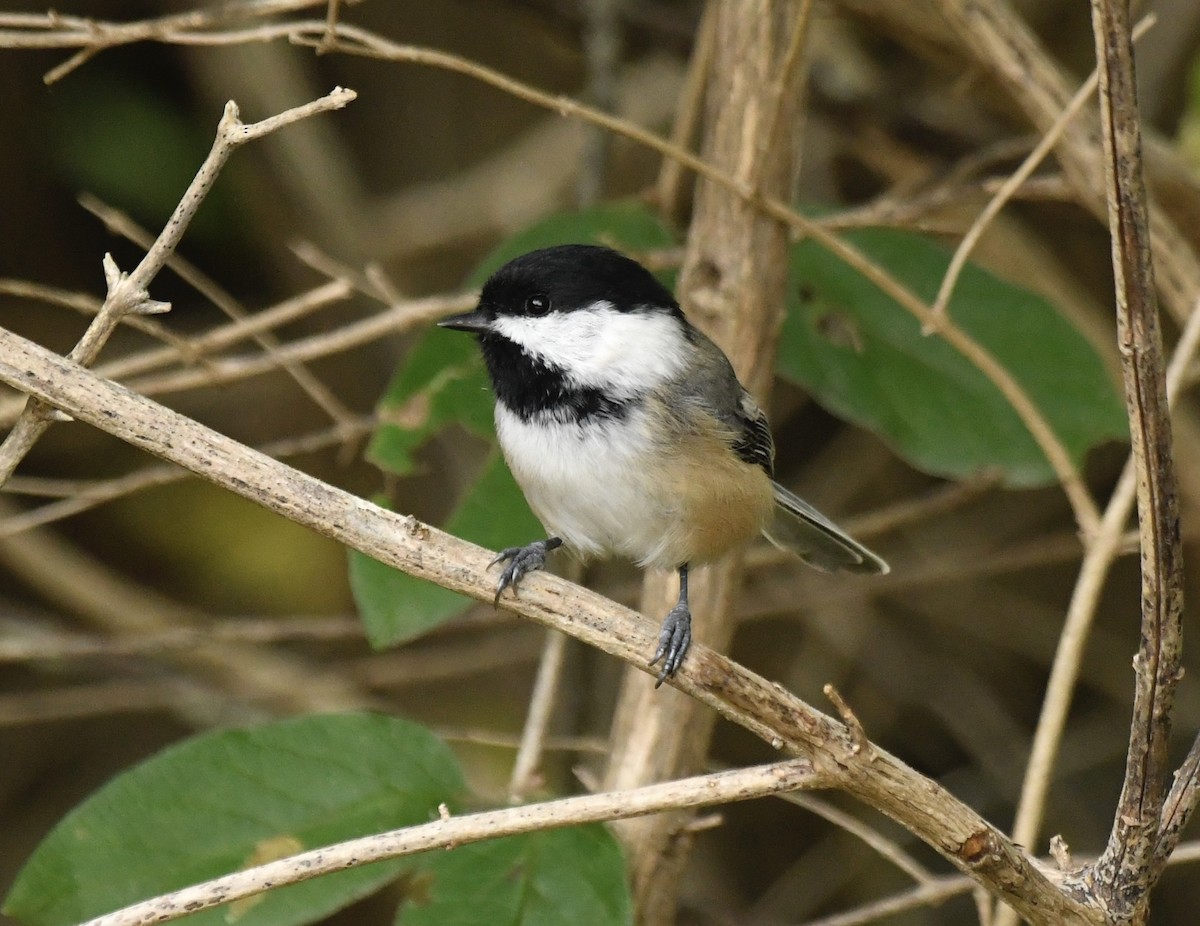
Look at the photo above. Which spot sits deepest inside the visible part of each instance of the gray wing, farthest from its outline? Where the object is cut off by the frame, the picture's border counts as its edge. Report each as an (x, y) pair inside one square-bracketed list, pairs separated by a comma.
[(800, 529), (715, 387), (797, 526)]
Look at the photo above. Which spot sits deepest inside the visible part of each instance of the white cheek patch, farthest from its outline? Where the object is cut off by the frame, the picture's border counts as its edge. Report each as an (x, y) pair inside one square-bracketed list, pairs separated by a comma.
[(622, 352)]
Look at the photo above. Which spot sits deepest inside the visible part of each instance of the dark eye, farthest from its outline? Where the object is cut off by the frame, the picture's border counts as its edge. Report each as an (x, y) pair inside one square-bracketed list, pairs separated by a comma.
[(537, 304)]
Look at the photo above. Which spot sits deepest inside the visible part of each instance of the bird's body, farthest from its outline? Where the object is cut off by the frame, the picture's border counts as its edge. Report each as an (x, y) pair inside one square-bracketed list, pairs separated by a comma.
[(627, 428), (660, 496)]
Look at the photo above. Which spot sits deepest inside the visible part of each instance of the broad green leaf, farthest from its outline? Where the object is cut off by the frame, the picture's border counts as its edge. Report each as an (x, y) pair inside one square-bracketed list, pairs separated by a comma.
[(226, 800), (864, 357), (396, 607), (573, 875), (442, 381)]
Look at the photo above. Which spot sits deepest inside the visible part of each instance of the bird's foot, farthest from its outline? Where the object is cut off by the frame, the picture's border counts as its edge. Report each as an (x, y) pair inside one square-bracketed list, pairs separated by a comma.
[(521, 560), (673, 641)]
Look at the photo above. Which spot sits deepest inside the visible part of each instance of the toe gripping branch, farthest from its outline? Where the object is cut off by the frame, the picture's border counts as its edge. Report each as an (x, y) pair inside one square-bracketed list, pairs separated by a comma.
[(521, 561)]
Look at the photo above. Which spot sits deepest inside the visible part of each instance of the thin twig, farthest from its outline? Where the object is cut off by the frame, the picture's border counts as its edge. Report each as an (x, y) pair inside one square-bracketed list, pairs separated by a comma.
[(929, 894), (700, 791), (57, 646), (101, 492), (886, 848), (402, 317), (1018, 177), (120, 223), (1178, 807), (537, 718), (850, 719)]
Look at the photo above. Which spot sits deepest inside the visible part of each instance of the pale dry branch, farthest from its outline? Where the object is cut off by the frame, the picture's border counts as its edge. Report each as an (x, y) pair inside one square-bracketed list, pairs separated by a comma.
[(402, 317), (1085, 599), (537, 717), (767, 710), (1018, 177), (195, 703), (450, 831), (995, 34), (60, 646), (886, 848), (95, 493), (1178, 807), (929, 894), (87, 304)]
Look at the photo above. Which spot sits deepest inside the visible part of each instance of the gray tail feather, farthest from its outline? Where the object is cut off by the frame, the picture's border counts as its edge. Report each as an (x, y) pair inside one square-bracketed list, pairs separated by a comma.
[(799, 528)]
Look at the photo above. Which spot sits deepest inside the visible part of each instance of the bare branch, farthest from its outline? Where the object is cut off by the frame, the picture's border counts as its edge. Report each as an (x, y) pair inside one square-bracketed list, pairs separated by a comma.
[(1126, 871), (700, 791)]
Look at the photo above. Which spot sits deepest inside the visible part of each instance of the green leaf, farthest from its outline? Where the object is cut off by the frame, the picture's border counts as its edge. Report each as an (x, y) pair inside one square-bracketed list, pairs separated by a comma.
[(442, 381), (233, 798), (864, 358), (573, 875), (396, 607)]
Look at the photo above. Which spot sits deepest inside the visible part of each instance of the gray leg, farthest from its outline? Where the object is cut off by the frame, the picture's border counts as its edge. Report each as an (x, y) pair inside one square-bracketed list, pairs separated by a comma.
[(676, 634)]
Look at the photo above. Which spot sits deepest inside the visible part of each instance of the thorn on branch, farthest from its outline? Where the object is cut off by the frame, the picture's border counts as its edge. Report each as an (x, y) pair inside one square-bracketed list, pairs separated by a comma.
[(861, 745), (1061, 853), (126, 297)]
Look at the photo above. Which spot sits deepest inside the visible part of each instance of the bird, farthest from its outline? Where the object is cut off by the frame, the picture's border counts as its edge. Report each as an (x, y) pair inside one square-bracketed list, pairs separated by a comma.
[(628, 431)]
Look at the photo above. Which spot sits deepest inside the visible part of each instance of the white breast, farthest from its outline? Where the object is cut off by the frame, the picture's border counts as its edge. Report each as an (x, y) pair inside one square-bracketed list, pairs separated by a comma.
[(589, 488)]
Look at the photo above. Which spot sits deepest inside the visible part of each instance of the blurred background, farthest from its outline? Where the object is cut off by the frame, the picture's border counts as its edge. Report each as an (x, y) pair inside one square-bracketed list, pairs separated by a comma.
[(401, 194)]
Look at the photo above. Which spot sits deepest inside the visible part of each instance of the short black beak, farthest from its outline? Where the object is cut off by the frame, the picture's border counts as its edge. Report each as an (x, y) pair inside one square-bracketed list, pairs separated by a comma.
[(476, 321)]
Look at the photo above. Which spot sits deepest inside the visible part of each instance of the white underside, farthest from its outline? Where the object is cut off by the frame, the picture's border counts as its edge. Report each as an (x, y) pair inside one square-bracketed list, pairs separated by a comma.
[(592, 490)]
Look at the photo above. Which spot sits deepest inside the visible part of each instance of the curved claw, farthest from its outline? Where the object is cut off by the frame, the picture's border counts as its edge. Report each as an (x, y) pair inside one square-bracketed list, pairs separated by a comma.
[(521, 561), (673, 641)]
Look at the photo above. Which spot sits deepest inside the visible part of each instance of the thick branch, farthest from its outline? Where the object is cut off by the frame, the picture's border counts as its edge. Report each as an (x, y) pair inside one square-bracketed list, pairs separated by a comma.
[(732, 284), (1124, 873)]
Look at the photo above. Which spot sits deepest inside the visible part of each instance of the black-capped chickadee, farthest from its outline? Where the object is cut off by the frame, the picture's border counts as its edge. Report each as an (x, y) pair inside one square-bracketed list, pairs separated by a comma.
[(628, 430)]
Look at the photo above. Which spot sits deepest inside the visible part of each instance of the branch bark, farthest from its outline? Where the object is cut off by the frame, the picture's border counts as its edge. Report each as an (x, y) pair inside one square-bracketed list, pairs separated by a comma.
[(1126, 871)]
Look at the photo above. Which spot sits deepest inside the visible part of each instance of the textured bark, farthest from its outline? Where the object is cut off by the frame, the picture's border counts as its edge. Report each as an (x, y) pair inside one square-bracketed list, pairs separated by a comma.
[(1129, 866)]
